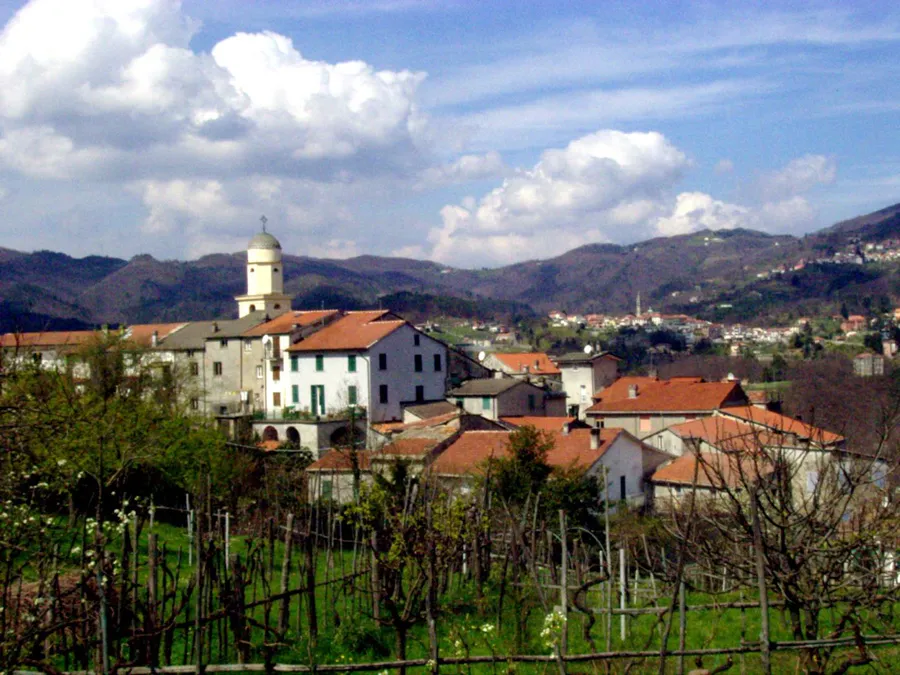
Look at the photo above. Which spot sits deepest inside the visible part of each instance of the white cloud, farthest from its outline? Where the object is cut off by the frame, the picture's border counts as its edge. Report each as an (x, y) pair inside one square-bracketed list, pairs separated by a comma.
[(798, 176), (465, 169), (698, 211), (724, 166), (111, 88), (601, 187)]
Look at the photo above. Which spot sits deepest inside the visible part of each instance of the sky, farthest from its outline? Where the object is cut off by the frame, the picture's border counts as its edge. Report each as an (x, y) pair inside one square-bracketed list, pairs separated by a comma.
[(475, 134)]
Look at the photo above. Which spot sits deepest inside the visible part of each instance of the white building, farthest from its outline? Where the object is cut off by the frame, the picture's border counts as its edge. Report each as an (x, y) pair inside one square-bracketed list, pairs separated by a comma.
[(373, 360), (584, 375)]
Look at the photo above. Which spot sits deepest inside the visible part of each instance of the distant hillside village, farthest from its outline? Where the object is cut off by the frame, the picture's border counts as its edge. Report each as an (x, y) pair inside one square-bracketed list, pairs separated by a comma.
[(364, 389)]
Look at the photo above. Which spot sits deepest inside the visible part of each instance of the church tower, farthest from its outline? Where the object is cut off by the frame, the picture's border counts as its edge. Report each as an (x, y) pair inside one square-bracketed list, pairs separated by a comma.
[(265, 277)]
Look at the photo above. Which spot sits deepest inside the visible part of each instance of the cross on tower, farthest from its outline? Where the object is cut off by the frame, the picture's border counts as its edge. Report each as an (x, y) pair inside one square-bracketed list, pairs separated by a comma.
[(263, 220)]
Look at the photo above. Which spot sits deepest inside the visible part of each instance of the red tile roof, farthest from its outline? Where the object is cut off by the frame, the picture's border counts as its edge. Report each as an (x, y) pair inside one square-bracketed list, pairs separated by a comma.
[(62, 338), (142, 334), (353, 332), (339, 460), (782, 423), (542, 423), (410, 447), (714, 470), (674, 395), (727, 434), (535, 363), (468, 453), (289, 321)]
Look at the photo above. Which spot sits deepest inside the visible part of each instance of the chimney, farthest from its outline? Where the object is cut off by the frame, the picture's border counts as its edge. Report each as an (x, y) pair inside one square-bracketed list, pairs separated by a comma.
[(632, 391), (154, 339), (595, 438), (215, 327), (537, 365)]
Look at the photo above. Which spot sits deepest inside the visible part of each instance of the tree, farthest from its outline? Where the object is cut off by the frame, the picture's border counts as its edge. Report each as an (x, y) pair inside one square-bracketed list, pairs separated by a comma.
[(817, 522)]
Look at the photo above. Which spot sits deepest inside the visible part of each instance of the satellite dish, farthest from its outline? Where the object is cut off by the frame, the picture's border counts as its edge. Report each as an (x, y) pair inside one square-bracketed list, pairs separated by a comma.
[(588, 349), (481, 356)]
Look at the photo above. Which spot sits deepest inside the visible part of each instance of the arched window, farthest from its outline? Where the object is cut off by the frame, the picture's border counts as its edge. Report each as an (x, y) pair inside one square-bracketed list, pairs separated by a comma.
[(270, 434), (293, 435), (252, 308)]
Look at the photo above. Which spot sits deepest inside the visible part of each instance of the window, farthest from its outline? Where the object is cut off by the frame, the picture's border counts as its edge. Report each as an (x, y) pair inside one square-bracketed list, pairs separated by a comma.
[(416, 339), (437, 363), (327, 488), (644, 424), (295, 393), (295, 364), (382, 362), (195, 368), (259, 372), (351, 395), (275, 270), (217, 368), (622, 488), (351, 363), (252, 308), (276, 399), (223, 344), (276, 373), (420, 393), (277, 306), (320, 363), (485, 402), (382, 393), (531, 402), (195, 404), (417, 361), (812, 480), (248, 345), (317, 399)]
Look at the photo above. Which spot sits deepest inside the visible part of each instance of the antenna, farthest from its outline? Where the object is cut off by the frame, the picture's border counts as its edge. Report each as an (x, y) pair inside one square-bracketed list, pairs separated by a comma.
[(263, 220), (588, 349), (481, 355)]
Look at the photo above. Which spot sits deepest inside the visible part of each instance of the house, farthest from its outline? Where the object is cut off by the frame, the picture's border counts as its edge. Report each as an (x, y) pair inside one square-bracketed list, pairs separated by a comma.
[(334, 477), (595, 451), (373, 360), (583, 375), (645, 405), (532, 366), (854, 323), (868, 364), (740, 444), (265, 345), (424, 411), (507, 397)]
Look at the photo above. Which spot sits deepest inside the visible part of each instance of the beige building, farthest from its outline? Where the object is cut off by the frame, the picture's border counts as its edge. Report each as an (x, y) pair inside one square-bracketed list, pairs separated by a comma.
[(583, 376), (494, 398), (265, 278)]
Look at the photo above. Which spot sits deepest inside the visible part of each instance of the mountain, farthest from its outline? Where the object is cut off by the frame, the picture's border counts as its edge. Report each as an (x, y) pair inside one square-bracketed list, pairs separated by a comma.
[(727, 274)]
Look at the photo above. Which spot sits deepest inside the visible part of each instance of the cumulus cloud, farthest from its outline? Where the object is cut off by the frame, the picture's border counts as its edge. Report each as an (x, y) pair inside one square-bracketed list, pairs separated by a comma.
[(465, 169), (698, 211), (108, 87), (603, 186), (797, 177)]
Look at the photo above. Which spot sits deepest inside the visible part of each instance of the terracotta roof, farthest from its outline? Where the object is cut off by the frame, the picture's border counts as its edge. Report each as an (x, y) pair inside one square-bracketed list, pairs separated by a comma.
[(542, 423), (782, 423), (61, 338), (353, 332), (410, 447), (727, 434), (715, 470), (536, 363), (468, 453), (619, 389), (397, 427), (339, 460), (289, 321), (268, 446), (142, 334), (674, 395)]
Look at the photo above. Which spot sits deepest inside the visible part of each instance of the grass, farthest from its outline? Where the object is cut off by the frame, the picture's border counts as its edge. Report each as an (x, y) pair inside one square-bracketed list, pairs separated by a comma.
[(348, 633)]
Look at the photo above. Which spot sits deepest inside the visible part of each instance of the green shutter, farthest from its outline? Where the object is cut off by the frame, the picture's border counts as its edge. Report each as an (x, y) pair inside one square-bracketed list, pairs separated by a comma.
[(320, 363), (351, 395), (295, 393), (295, 364), (351, 363), (485, 402)]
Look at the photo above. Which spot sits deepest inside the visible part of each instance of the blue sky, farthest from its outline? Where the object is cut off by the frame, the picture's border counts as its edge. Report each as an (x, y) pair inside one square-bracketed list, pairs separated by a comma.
[(474, 134)]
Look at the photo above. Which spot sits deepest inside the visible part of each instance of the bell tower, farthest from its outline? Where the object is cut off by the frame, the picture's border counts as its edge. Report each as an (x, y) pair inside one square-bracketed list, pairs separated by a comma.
[(265, 277)]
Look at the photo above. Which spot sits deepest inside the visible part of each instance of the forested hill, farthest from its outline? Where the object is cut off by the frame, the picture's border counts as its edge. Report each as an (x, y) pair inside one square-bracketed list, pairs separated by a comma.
[(726, 275)]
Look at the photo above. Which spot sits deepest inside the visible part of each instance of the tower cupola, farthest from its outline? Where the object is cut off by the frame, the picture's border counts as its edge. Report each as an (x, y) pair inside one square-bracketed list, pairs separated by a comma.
[(265, 277)]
